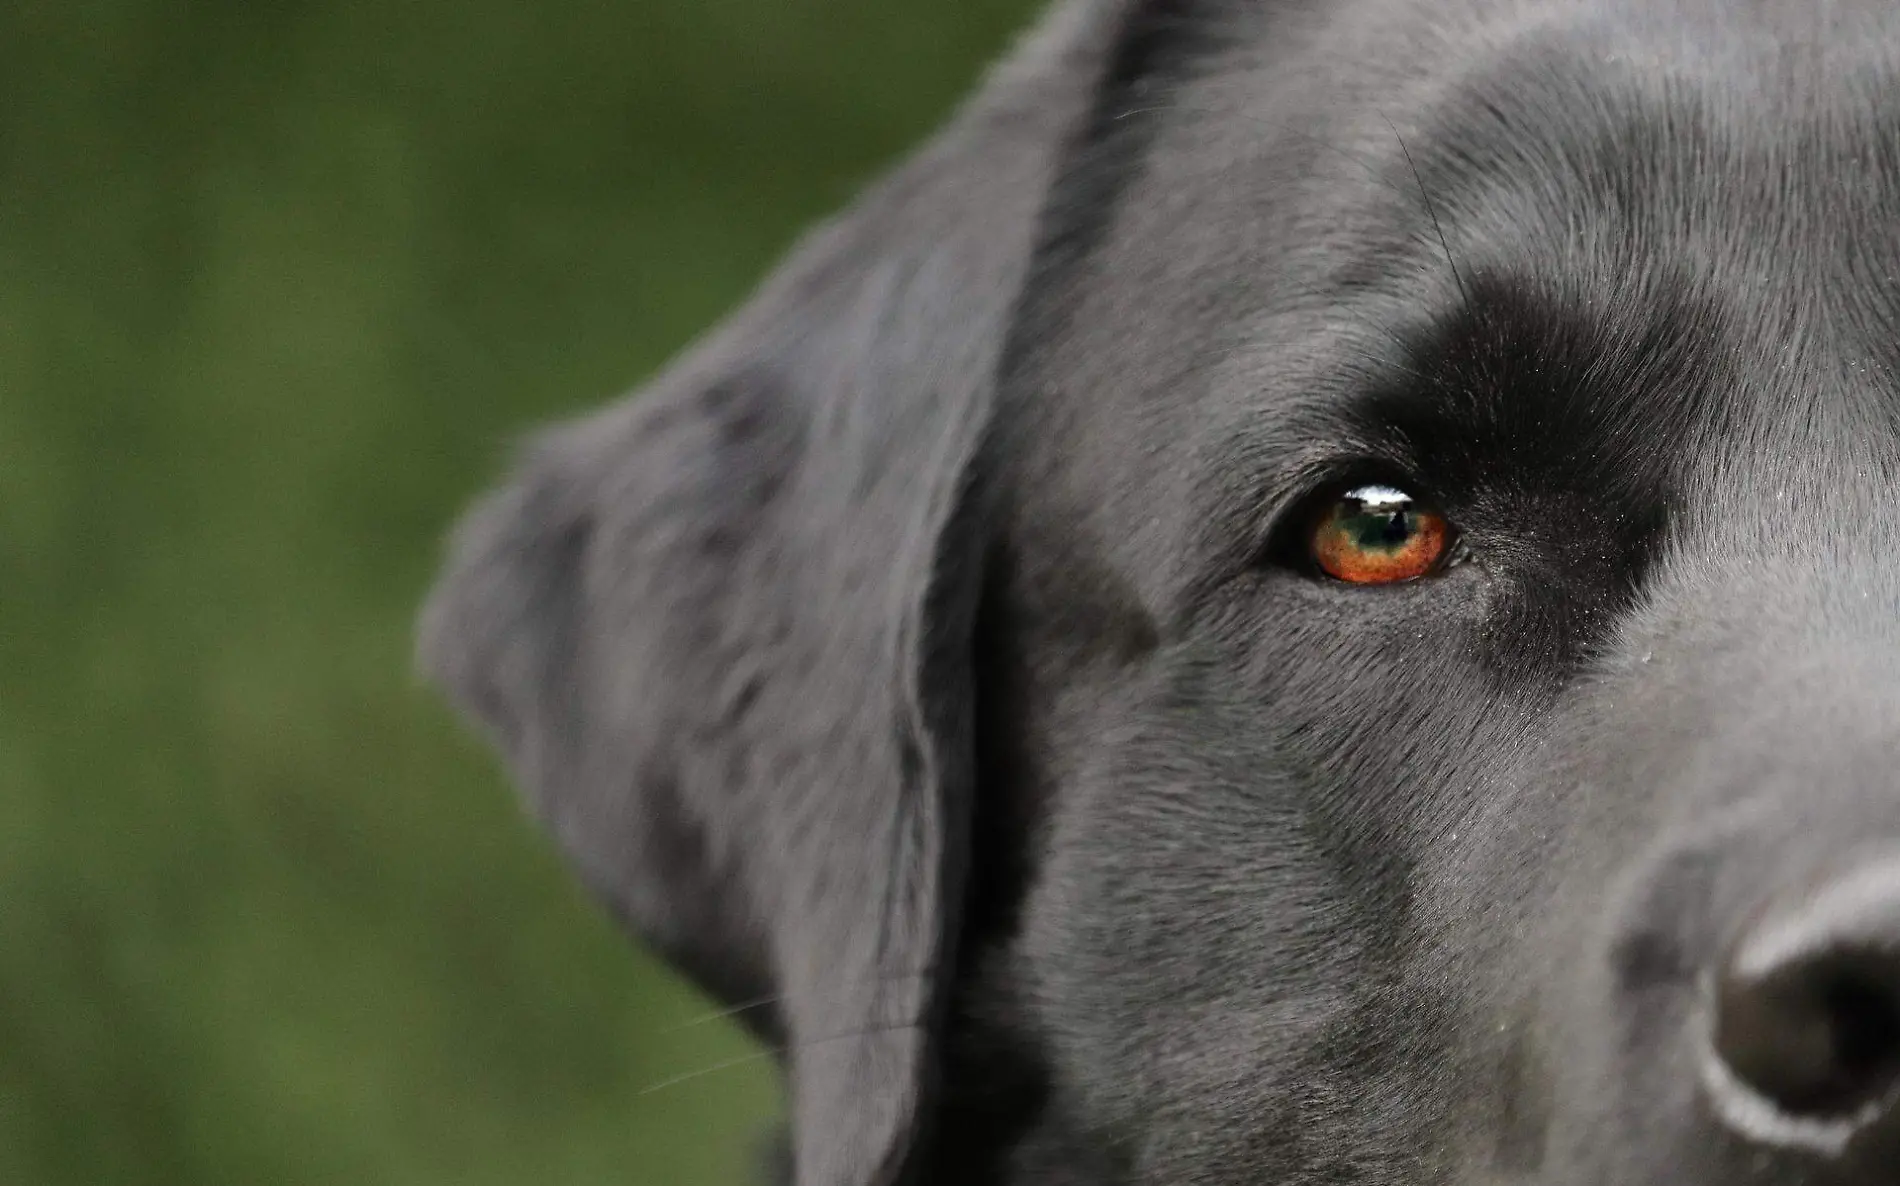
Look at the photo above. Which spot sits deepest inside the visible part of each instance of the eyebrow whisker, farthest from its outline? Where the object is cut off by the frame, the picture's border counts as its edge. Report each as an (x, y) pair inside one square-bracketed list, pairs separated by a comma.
[(1431, 211)]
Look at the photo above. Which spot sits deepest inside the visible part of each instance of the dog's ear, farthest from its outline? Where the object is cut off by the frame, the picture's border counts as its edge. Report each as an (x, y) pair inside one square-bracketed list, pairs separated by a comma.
[(720, 631)]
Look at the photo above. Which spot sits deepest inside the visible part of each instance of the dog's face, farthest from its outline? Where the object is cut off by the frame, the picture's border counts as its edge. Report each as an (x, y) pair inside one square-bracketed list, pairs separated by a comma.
[(1310, 595)]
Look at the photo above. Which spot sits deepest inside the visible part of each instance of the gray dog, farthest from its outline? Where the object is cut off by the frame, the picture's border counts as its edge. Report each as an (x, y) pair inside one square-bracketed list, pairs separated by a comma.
[(1300, 598)]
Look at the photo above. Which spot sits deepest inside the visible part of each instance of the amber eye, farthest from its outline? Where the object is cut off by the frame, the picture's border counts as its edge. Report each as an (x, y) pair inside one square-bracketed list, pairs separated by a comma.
[(1376, 535)]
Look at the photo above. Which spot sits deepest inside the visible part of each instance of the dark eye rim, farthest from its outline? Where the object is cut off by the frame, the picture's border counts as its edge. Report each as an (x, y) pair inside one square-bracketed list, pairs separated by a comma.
[(1289, 543)]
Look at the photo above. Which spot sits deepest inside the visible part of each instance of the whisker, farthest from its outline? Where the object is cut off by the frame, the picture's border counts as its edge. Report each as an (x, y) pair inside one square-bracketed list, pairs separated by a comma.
[(1431, 211), (772, 1052), (725, 1014), (701, 1073), (746, 1006)]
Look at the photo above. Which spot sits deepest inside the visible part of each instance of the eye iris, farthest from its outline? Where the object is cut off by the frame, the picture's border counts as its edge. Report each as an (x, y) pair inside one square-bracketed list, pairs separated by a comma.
[(1376, 535)]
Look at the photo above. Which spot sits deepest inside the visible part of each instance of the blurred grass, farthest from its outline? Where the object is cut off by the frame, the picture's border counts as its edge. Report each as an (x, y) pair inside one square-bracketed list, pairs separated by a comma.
[(278, 284)]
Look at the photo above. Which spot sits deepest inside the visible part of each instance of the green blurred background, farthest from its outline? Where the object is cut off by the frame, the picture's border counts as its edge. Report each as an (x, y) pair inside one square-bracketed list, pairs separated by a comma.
[(279, 284)]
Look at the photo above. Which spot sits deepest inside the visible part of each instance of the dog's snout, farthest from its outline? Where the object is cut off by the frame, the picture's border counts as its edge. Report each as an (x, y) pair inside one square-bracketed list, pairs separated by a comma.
[(1807, 1004)]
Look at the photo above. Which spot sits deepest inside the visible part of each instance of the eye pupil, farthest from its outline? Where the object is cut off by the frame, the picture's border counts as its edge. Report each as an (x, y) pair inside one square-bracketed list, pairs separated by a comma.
[(1382, 529)]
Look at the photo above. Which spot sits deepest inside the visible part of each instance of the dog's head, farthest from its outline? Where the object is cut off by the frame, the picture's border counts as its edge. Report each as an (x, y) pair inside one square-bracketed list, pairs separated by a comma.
[(1311, 594)]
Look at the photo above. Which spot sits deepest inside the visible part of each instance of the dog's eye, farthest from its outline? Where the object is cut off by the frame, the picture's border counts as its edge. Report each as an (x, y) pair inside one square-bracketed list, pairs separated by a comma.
[(1379, 535)]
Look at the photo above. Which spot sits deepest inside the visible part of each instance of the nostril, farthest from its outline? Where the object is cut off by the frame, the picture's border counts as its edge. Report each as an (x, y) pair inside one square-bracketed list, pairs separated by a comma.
[(1819, 1035), (1866, 1015)]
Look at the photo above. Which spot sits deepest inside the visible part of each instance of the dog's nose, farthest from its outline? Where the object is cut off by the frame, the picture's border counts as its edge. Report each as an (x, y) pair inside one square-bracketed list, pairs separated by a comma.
[(1807, 1007)]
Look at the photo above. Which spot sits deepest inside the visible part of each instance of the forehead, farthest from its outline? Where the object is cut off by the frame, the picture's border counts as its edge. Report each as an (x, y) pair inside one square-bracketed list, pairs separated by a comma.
[(1283, 209), (1749, 144)]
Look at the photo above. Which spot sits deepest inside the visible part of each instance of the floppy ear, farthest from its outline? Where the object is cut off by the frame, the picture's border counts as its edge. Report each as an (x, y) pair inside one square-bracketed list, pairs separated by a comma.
[(720, 630)]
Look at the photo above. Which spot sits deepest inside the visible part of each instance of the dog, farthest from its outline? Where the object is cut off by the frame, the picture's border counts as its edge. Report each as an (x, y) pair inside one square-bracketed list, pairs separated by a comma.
[(1300, 597)]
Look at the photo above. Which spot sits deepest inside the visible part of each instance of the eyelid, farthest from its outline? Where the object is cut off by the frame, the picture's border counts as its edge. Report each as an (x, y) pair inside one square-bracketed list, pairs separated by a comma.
[(1303, 486), (1299, 485)]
